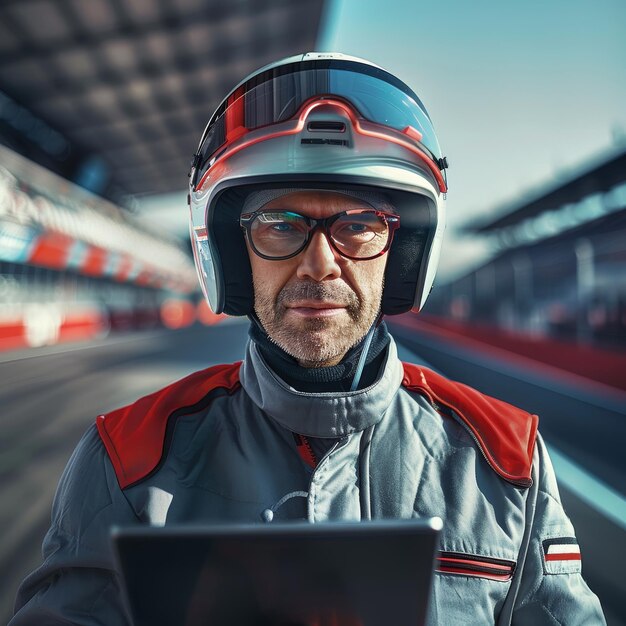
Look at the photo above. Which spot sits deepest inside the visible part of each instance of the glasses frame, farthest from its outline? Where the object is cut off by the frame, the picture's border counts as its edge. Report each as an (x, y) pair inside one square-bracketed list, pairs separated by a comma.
[(391, 219)]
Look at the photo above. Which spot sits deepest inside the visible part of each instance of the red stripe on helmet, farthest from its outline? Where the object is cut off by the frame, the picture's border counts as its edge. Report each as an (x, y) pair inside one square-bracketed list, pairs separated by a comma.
[(234, 116), (376, 131)]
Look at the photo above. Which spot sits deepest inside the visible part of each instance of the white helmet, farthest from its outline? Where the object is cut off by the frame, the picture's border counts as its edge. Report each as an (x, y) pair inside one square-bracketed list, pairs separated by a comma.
[(318, 121)]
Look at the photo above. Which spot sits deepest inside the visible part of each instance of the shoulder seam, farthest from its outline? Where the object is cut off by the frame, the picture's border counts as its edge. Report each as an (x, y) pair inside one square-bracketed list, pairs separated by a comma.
[(135, 436), (172, 420), (476, 412)]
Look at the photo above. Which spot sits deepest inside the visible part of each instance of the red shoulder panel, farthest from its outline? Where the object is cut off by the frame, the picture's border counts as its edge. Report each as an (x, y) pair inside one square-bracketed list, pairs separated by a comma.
[(134, 435), (505, 434)]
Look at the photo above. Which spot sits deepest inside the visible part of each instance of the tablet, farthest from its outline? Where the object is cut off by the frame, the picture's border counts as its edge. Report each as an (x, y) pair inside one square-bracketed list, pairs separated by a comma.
[(328, 574)]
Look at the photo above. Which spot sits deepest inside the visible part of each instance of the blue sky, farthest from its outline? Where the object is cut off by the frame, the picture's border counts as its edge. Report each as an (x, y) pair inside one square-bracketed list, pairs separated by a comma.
[(521, 94)]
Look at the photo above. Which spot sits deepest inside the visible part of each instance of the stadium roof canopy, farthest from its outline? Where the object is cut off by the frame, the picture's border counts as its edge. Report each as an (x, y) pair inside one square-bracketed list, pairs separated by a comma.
[(114, 95), (592, 178)]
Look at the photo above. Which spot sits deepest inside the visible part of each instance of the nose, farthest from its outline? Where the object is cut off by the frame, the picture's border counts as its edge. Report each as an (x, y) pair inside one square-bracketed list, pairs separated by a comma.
[(319, 261)]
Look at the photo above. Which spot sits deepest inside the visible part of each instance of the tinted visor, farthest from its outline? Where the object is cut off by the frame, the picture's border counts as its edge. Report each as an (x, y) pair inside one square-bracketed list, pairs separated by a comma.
[(276, 96)]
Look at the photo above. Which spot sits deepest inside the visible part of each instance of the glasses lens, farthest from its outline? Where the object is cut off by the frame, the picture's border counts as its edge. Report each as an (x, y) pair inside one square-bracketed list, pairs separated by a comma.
[(360, 234), (278, 234)]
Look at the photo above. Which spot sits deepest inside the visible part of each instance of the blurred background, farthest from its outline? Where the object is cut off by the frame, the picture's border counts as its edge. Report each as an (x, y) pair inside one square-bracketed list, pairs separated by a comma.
[(102, 104)]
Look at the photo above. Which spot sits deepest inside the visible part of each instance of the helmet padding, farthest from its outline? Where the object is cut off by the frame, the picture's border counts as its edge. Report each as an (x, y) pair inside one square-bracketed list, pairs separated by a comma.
[(404, 259)]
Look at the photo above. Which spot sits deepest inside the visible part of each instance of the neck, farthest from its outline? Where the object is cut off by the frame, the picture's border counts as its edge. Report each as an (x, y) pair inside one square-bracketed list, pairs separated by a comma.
[(337, 377)]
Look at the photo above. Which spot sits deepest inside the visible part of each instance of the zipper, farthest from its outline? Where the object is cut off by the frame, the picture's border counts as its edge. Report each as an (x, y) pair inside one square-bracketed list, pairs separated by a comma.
[(471, 565), (308, 455), (312, 491), (339, 443), (305, 450)]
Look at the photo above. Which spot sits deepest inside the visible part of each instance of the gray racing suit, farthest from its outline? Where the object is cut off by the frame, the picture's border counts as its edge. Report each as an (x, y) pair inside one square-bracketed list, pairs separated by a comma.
[(507, 550)]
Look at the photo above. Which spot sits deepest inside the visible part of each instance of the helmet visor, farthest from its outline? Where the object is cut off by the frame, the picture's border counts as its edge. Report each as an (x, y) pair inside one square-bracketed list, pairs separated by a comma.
[(277, 95)]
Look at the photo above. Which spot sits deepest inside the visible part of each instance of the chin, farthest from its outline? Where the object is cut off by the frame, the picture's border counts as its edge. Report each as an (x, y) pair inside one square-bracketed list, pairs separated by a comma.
[(315, 352), (316, 341)]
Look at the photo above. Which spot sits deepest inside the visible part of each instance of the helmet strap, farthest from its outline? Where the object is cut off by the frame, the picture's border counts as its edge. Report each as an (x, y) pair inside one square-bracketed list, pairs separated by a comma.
[(256, 321), (364, 350)]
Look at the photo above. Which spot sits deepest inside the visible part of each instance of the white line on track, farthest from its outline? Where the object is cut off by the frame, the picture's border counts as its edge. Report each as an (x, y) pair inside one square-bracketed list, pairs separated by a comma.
[(588, 488)]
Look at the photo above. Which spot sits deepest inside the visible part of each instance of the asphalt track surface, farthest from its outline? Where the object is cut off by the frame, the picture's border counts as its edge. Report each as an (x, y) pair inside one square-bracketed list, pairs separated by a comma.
[(50, 396)]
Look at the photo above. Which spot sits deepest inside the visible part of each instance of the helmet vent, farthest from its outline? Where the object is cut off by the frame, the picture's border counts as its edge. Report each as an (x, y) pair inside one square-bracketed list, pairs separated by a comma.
[(327, 126)]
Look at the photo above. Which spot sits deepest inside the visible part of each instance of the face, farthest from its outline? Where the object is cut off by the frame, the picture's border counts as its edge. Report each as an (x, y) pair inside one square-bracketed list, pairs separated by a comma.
[(318, 304)]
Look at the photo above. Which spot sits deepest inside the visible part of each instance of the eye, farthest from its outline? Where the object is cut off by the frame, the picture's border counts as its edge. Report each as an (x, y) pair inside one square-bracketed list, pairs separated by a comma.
[(282, 227), (354, 229), (357, 227), (279, 225)]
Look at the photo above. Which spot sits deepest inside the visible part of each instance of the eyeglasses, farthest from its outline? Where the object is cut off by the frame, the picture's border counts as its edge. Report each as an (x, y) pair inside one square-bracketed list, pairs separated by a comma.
[(358, 234)]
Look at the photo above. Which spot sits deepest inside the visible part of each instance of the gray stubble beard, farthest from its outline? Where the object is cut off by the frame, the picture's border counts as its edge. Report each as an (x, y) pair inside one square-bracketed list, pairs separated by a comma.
[(321, 341)]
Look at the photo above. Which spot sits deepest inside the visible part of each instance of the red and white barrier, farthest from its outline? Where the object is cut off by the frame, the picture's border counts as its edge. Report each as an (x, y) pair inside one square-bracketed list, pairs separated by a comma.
[(37, 325)]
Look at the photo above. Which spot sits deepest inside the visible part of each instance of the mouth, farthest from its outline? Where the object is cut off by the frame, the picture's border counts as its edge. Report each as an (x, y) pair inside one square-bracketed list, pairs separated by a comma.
[(315, 308)]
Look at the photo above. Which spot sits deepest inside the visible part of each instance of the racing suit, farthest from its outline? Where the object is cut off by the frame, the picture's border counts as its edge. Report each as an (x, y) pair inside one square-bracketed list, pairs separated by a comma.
[(219, 446)]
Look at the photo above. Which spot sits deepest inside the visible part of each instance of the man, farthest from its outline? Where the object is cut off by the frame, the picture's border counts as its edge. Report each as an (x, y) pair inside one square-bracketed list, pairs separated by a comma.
[(317, 205)]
